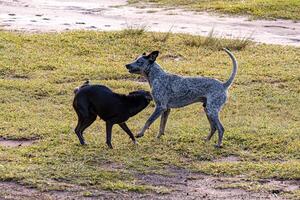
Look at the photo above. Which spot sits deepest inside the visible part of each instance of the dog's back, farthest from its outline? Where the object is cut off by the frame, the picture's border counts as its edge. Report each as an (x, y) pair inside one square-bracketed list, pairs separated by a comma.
[(98, 99)]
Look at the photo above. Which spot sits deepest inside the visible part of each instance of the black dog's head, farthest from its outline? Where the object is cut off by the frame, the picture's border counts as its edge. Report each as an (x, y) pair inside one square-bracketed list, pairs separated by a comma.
[(142, 93), (137, 101)]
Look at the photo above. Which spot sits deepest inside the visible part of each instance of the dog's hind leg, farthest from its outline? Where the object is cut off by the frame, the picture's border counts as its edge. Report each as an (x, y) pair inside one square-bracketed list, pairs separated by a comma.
[(157, 112), (163, 122), (78, 126), (220, 131), (81, 140), (85, 122), (78, 123), (79, 116), (214, 116), (127, 130), (108, 134), (212, 110), (212, 126)]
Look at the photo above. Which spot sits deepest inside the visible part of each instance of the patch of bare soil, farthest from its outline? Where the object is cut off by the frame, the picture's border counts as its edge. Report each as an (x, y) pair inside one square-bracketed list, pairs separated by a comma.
[(186, 185), (180, 184), (15, 143), (228, 159)]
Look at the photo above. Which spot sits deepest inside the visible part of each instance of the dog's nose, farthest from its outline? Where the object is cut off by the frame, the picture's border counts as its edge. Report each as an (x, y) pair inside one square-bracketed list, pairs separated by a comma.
[(127, 66)]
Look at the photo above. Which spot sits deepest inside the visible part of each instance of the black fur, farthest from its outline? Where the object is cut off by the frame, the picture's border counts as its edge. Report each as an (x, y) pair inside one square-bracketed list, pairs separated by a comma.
[(97, 100)]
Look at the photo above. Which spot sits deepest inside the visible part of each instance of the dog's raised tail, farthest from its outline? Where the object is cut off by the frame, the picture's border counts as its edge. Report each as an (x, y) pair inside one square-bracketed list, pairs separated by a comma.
[(86, 83), (228, 83)]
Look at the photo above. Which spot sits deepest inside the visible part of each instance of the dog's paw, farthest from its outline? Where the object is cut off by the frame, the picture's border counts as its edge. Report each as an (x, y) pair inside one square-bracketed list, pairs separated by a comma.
[(159, 136), (82, 145), (218, 146), (139, 135), (135, 143), (109, 145)]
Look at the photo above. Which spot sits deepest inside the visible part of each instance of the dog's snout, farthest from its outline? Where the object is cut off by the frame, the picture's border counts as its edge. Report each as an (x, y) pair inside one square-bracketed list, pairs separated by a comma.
[(127, 66)]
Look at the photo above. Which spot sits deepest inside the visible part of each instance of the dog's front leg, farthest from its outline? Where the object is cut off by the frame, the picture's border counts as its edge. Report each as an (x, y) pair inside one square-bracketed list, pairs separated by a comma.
[(127, 130), (157, 112)]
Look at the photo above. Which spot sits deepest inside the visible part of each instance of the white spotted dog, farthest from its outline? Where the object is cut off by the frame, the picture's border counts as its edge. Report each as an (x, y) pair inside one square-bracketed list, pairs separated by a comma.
[(174, 91)]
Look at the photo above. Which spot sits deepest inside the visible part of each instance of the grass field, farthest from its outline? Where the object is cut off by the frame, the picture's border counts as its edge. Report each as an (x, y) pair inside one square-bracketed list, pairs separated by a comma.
[(270, 9), (39, 72)]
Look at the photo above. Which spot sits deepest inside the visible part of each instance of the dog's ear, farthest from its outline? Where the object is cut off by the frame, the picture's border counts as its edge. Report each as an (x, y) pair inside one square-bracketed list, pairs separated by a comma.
[(152, 56), (148, 96)]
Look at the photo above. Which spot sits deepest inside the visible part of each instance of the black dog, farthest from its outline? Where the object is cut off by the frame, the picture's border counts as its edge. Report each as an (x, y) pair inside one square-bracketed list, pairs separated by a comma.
[(97, 100)]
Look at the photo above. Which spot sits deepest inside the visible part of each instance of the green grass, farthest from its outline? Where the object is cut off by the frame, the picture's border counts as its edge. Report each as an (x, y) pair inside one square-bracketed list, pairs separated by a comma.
[(215, 43), (270, 9), (39, 72)]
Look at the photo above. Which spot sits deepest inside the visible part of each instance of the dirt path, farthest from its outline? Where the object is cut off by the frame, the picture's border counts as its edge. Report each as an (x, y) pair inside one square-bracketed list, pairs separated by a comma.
[(180, 184), (60, 15), (15, 143)]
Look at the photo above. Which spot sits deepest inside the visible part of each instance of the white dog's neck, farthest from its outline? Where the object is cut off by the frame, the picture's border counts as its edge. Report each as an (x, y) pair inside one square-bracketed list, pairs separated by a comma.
[(154, 72)]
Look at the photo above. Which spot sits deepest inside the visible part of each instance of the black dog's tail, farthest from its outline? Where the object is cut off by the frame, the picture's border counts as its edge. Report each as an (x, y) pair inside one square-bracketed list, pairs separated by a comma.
[(86, 83), (228, 83), (76, 90)]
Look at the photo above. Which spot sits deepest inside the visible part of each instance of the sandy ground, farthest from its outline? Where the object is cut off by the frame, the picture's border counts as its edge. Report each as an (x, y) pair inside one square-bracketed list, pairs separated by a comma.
[(60, 15)]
